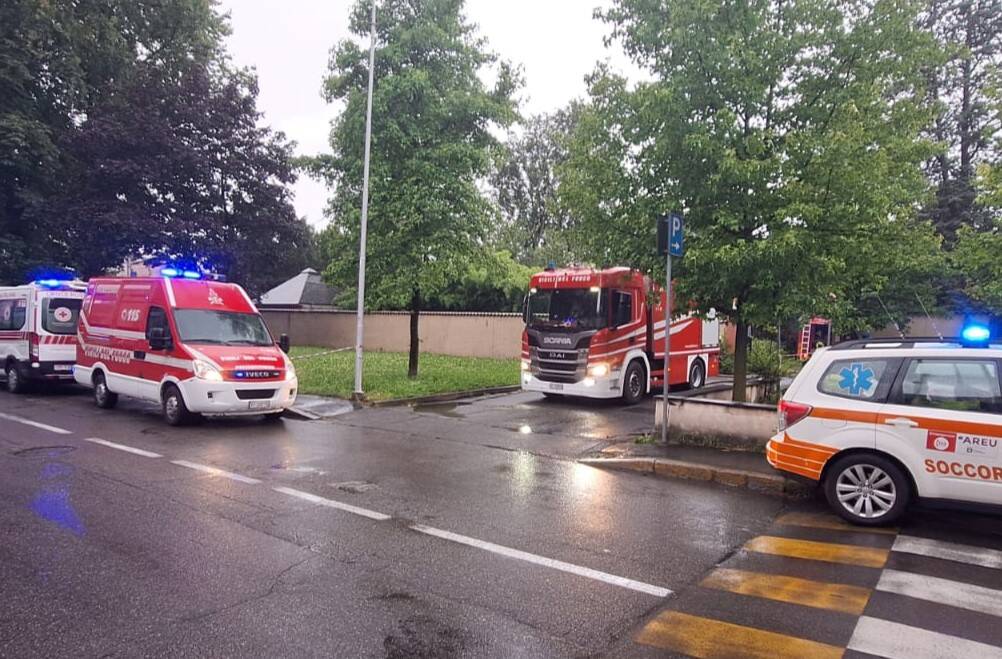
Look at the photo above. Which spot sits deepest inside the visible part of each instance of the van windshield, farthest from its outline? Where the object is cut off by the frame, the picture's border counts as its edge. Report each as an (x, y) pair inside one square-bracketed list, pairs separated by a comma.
[(60, 314), (221, 328)]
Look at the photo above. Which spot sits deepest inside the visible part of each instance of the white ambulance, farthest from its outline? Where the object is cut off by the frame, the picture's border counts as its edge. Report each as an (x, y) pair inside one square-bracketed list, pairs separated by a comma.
[(879, 423), (38, 331)]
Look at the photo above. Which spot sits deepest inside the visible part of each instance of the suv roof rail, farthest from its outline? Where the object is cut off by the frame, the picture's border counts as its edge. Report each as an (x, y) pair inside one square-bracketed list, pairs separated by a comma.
[(907, 342)]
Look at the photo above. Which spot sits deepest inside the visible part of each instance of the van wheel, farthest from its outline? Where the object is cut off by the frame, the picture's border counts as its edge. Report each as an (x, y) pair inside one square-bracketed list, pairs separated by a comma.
[(697, 374), (867, 489), (104, 397), (634, 385), (175, 411), (16, 383)]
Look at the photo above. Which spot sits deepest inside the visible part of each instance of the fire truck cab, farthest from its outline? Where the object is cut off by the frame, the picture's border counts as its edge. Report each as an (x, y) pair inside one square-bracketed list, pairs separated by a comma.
[(38, 327), (596, 334)]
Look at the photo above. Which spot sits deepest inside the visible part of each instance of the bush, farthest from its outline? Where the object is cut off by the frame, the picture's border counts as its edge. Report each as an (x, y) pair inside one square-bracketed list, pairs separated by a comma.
[(726, 358)]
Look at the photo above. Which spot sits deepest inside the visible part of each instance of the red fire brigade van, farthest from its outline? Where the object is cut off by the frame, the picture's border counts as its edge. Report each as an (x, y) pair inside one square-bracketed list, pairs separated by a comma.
[(38, 326), (594, 333), (194, 346)]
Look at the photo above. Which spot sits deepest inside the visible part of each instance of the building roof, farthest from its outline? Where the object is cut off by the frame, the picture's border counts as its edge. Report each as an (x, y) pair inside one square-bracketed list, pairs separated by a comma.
[(305, 289)]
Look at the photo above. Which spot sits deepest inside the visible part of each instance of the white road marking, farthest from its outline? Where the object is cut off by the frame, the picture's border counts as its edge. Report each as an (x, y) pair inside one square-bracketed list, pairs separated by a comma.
[(123, 447), (35, 424), (942, 591), (330, 503), (639, 586), (893, 640), (949, 551), (216, 471)]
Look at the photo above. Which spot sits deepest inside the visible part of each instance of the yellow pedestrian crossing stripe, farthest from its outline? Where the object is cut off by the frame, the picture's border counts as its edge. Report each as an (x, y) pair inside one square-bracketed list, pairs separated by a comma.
[(805, 592), (822, 521), (712, 639), (829, 552)]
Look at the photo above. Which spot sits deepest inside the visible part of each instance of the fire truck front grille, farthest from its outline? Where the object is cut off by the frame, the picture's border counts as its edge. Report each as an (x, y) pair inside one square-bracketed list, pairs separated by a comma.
[(567, 366)]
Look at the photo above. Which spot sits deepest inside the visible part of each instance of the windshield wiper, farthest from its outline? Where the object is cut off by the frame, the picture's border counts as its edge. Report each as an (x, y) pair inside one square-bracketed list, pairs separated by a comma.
[(245, 342), (212, 341)]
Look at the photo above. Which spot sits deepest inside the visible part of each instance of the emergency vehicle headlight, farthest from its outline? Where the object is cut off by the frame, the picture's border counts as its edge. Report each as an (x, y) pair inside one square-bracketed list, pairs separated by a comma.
[(290, 370), (975, 334), (598, 370), (206, 371)]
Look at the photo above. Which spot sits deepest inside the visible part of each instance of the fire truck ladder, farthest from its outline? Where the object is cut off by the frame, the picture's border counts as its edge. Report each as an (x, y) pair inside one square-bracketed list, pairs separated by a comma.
[(804, 349)]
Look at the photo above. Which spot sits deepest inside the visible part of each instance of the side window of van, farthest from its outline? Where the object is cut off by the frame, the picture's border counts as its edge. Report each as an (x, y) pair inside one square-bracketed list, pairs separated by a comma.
[(859, 379), (157, 318), (12, 314), (965, 385)]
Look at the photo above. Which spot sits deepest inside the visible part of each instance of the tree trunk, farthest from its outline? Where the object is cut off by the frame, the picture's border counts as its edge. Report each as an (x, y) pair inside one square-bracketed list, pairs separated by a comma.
[(412, 361), (740, 392)]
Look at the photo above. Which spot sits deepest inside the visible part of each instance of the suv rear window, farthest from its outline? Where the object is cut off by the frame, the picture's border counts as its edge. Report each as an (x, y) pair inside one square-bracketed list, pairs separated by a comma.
[(60, 314), (966, 385), (859, 379)]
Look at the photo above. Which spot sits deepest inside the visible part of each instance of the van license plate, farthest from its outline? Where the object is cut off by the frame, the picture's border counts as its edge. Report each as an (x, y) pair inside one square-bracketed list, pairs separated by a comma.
[(259, 404), (62, 367), (556, 387)]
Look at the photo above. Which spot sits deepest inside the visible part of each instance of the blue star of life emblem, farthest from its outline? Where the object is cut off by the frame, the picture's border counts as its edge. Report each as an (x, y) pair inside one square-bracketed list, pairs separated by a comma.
[(856, 379)]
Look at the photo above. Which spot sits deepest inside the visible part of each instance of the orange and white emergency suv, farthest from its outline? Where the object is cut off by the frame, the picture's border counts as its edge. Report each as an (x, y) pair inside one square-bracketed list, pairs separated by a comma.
[(194, 346), (38, 327), (881, 422), (594, 333)]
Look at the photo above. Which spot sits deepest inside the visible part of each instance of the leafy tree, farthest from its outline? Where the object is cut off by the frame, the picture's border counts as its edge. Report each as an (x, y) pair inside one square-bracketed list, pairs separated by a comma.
[(524, 182), (125, 131), (496, 284), (432, 140), (787, 132), (966, 125)]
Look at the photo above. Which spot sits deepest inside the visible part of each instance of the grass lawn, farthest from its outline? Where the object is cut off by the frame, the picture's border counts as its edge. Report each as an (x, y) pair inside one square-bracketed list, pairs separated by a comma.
[(386, 373)]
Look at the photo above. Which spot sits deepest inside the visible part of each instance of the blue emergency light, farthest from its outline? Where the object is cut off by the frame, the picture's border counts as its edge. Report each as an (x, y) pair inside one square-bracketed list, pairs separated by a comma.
[(178, 272), (976, 335), (49, 283), (170, 272), (191, 274)]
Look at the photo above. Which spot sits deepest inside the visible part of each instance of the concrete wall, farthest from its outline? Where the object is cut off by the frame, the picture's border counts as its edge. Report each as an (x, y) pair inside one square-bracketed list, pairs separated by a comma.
[(719, 424), (459, 334)]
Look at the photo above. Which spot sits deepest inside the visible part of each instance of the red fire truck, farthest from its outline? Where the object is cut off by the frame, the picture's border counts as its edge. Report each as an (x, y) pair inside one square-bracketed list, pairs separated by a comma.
[(595, 333)]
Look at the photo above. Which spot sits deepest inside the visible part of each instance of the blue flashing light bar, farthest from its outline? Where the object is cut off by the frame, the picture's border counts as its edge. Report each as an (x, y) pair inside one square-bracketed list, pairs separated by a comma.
[(49, 283), (976, 334), (178, 272), (191, 274), (170, 272)]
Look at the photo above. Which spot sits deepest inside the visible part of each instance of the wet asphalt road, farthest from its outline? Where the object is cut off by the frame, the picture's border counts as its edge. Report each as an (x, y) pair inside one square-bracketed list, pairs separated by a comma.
[(109, 552), (452, 530)]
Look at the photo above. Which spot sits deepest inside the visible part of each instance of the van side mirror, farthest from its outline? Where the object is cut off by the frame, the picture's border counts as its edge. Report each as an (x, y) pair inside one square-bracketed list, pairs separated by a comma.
[(159, 339), (284, 344)]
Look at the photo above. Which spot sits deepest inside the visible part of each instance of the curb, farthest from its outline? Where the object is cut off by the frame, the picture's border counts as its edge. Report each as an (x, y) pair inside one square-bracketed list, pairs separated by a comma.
[(302, 415), (442, 398), (773, 484)]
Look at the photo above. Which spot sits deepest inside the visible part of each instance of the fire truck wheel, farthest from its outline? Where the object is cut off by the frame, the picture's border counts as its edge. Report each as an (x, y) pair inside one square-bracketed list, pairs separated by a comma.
[(697, 374), (634, 381), (104, 397), (175, 411), (16, 384)]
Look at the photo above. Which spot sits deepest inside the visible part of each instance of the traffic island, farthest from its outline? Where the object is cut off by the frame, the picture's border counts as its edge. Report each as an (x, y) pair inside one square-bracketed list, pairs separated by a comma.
[(731, 468)]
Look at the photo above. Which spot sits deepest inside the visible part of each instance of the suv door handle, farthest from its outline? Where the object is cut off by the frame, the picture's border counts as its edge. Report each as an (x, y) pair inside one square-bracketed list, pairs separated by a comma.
[(901, 422)]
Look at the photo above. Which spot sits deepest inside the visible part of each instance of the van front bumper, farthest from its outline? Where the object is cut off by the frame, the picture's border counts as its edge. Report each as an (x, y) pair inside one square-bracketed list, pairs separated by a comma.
[(239, 398), (604, 387)]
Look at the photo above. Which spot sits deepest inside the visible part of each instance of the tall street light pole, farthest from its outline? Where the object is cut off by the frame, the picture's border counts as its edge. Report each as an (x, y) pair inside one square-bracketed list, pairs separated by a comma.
[(360, 320)]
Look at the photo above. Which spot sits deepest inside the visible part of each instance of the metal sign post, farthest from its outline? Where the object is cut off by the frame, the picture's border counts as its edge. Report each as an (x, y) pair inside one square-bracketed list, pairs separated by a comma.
[(675, 246)]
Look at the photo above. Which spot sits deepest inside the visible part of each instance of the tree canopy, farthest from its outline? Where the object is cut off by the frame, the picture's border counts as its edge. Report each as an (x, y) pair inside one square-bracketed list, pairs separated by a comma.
[(432, 143), (125, 131)]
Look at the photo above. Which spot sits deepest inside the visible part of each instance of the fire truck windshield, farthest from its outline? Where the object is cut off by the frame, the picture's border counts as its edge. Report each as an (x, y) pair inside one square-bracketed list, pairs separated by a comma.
[(222, 328), (571, 309)]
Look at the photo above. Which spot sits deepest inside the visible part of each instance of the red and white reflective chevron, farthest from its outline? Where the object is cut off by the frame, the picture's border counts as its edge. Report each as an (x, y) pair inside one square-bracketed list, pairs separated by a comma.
[(58, 340)]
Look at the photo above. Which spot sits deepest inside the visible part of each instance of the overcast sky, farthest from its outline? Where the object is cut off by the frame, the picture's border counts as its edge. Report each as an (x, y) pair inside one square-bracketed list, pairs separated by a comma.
[(557, 42)]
